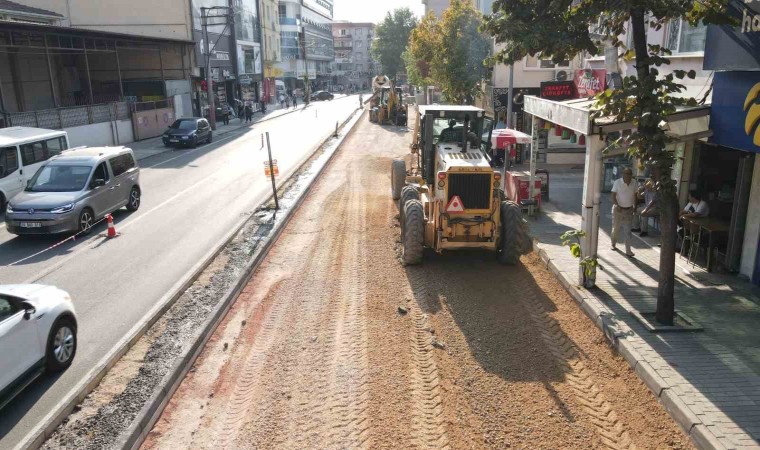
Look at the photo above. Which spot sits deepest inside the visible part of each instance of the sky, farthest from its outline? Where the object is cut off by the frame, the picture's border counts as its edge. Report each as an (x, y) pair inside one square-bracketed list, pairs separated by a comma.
[(372, 10)]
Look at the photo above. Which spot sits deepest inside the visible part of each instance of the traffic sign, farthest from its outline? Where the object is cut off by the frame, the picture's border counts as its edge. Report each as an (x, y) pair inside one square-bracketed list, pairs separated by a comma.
[(455, 205), (273, 166)]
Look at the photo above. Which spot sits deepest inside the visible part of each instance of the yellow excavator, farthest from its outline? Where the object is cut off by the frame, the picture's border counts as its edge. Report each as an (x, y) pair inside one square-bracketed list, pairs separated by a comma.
[(386, 106)]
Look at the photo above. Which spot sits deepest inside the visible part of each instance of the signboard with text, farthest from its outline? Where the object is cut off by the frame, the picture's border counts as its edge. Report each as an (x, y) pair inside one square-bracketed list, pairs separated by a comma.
[(735, 47), (589, 82), (735, 110), (557, 90)]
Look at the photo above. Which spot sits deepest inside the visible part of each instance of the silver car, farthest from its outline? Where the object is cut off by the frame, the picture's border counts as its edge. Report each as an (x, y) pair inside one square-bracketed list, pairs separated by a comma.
[(71, 191)]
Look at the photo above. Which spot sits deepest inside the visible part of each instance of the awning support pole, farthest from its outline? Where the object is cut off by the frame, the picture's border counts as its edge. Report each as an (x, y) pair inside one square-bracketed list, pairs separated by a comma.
[(591, 200), (533, 160)]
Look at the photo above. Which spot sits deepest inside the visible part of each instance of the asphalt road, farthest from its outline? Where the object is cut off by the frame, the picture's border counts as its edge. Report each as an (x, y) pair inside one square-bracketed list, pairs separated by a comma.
[(191, 198)]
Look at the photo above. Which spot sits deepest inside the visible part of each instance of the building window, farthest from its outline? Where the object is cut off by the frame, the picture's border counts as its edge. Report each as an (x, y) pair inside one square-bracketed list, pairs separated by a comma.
[(536, 62), (282, 11), (359, 56), (683, 38), (343, 32), (358, 44), (360, 67)]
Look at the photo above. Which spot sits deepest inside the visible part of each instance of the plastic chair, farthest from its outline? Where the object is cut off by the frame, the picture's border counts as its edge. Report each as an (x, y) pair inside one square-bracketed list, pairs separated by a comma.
[(696, 242)]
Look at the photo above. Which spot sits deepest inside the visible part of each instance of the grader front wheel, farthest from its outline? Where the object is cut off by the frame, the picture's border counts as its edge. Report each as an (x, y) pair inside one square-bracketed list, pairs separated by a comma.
[(515, 239), (413, 232), (398, 177)]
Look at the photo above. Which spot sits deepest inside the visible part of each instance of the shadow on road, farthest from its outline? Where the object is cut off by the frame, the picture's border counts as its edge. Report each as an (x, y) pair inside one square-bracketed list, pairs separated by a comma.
[(25, 401)]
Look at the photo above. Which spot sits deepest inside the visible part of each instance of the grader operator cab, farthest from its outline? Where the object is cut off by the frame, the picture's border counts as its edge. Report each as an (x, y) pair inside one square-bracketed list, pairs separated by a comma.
[(386, 106), (449, 196)]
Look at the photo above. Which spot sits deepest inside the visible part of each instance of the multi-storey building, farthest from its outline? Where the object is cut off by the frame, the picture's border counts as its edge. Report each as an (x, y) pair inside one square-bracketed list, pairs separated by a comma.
[(270, 27), (306, 42), (68, 53), (438, 6), (354, 66)]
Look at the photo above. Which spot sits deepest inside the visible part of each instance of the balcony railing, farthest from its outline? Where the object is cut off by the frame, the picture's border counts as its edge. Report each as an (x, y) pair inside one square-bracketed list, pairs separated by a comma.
[(288, 21)]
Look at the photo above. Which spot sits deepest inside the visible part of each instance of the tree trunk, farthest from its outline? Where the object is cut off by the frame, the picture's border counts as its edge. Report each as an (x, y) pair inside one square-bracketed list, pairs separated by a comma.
[(668, 199)]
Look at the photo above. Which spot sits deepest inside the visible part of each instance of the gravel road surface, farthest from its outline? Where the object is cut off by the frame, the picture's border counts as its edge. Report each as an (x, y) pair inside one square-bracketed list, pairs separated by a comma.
[(335, 344)]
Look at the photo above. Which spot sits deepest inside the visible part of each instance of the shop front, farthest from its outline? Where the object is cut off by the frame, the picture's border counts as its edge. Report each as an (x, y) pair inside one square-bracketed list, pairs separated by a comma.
[(222, 73), (571, 120), (728, 170), (249, 74)]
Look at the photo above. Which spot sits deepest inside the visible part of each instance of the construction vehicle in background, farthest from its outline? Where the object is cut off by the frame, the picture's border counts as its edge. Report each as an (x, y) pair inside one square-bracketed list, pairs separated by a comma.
[(449, 195), (385, 105)]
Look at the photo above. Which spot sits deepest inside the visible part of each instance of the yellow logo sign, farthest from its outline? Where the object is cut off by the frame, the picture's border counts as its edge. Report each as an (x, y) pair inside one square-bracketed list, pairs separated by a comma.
[(752, 108)]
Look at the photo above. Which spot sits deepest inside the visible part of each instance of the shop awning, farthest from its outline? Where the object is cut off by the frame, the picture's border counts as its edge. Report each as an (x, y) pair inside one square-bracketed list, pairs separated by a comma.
[(692, 122), (503, 137)]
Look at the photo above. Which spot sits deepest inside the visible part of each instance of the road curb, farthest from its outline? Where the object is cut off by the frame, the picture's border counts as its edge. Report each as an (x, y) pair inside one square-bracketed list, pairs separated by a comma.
[(606, 321), (45, 428), (151, 411)]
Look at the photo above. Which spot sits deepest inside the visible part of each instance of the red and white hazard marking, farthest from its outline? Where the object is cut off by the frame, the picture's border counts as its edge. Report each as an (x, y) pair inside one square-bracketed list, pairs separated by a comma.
[(455, 205)]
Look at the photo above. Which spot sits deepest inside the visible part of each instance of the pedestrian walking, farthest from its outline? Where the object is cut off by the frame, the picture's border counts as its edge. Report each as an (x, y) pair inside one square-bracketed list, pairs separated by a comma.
[(295, 102), (282, 101), (248, 112), (623, 204), (361, 101), (241, 112), (287, 102), (225, 116)]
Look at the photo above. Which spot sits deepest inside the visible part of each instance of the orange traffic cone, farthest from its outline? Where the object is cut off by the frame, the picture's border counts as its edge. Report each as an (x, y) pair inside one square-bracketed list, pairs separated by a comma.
[(111, 228)]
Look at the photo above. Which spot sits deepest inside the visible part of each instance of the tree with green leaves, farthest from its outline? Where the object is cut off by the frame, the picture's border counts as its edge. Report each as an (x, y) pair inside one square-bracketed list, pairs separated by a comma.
[(391, 38), (450, 52), (565, 28)]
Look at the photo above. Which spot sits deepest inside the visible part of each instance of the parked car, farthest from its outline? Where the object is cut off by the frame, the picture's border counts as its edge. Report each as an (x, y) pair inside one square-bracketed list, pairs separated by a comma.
[(187, 132), (71, 191), (322, 95), (38, 333), (22, 152)]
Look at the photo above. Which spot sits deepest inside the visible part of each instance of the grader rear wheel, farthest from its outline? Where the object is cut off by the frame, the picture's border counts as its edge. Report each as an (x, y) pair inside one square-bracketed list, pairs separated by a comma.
[(398, 177), (515, 239), (407, 193), (413, 232)]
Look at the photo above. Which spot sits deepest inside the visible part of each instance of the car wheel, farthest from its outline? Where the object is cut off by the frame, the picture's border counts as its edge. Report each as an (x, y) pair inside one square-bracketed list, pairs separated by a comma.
[(61, 344), (133, 203), (86, 220), (195, 142), (2, 203)]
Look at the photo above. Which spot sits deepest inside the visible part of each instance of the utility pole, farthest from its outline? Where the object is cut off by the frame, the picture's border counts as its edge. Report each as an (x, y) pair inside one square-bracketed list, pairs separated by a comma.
[(207, 49), (510, 95)]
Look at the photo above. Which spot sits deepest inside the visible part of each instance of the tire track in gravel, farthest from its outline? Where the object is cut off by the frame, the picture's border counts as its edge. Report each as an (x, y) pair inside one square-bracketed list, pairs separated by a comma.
[(349, 389), (428, 430), (612, 432), (306, 289)]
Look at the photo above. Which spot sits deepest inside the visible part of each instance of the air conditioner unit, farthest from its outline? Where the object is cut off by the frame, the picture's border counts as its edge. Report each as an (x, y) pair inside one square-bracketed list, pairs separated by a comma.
[(561, 75)]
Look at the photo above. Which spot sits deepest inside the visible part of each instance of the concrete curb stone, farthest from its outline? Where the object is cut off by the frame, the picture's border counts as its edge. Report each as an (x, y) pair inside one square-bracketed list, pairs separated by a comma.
[(651, 379)]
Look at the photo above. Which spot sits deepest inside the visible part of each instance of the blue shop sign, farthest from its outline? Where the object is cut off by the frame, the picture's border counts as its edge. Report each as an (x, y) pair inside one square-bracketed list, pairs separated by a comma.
[(735, 47), (735, 116)]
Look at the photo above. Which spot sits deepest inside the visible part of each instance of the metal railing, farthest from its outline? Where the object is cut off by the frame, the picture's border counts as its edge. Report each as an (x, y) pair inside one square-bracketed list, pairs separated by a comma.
[(60, 118)]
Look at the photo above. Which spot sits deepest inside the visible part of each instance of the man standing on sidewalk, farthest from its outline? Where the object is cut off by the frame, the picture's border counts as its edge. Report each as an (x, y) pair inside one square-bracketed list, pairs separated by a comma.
[(623, 204)]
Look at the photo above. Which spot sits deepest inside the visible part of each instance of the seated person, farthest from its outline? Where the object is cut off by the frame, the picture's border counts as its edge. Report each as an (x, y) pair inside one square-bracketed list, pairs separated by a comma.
[(696, 207), (650, 207), (450, 134)]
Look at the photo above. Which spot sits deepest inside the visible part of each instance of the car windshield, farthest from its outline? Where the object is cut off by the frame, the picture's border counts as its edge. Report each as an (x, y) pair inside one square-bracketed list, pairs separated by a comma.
[(59, 178), (183, 125)]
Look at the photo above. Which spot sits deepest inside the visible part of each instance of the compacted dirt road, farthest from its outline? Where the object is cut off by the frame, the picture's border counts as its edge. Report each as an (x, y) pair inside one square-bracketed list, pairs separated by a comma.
[(335, 344)]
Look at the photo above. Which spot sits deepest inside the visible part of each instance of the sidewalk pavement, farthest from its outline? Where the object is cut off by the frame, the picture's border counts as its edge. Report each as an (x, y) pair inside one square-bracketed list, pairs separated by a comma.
[(153, 146), (708, 381)]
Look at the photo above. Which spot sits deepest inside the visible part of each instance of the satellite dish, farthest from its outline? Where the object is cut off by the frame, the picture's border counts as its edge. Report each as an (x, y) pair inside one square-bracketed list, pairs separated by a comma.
[(561, 75)]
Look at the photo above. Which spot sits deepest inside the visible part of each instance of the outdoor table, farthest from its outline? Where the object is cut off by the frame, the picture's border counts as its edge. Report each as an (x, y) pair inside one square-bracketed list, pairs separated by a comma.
[(714, 228)]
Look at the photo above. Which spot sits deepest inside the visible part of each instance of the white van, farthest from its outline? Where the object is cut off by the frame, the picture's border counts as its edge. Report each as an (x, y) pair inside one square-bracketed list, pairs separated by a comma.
[(22, 152)]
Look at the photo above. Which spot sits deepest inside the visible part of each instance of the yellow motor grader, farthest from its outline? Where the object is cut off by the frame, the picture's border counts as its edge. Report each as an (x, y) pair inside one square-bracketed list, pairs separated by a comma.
[(385, 105), (450, 197)]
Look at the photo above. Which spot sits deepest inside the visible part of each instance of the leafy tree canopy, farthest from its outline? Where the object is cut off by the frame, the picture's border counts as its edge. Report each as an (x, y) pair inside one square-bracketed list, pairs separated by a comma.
[(450, 52), (392, 36)]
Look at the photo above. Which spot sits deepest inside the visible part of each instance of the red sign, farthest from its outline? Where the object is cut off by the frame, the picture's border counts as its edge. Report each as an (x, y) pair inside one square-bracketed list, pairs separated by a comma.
[(557, 90), (589, 82), (455, 205)]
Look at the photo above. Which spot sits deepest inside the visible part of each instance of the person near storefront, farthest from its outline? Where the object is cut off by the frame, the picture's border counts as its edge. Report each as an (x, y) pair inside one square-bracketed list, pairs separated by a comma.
[(295, 102), (697, 207), (650, 208), (248, 112), (623, 204), (282, 101)]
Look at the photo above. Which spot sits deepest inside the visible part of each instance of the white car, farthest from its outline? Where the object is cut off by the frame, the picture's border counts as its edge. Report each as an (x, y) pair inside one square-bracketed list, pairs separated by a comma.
[(38, 333)]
